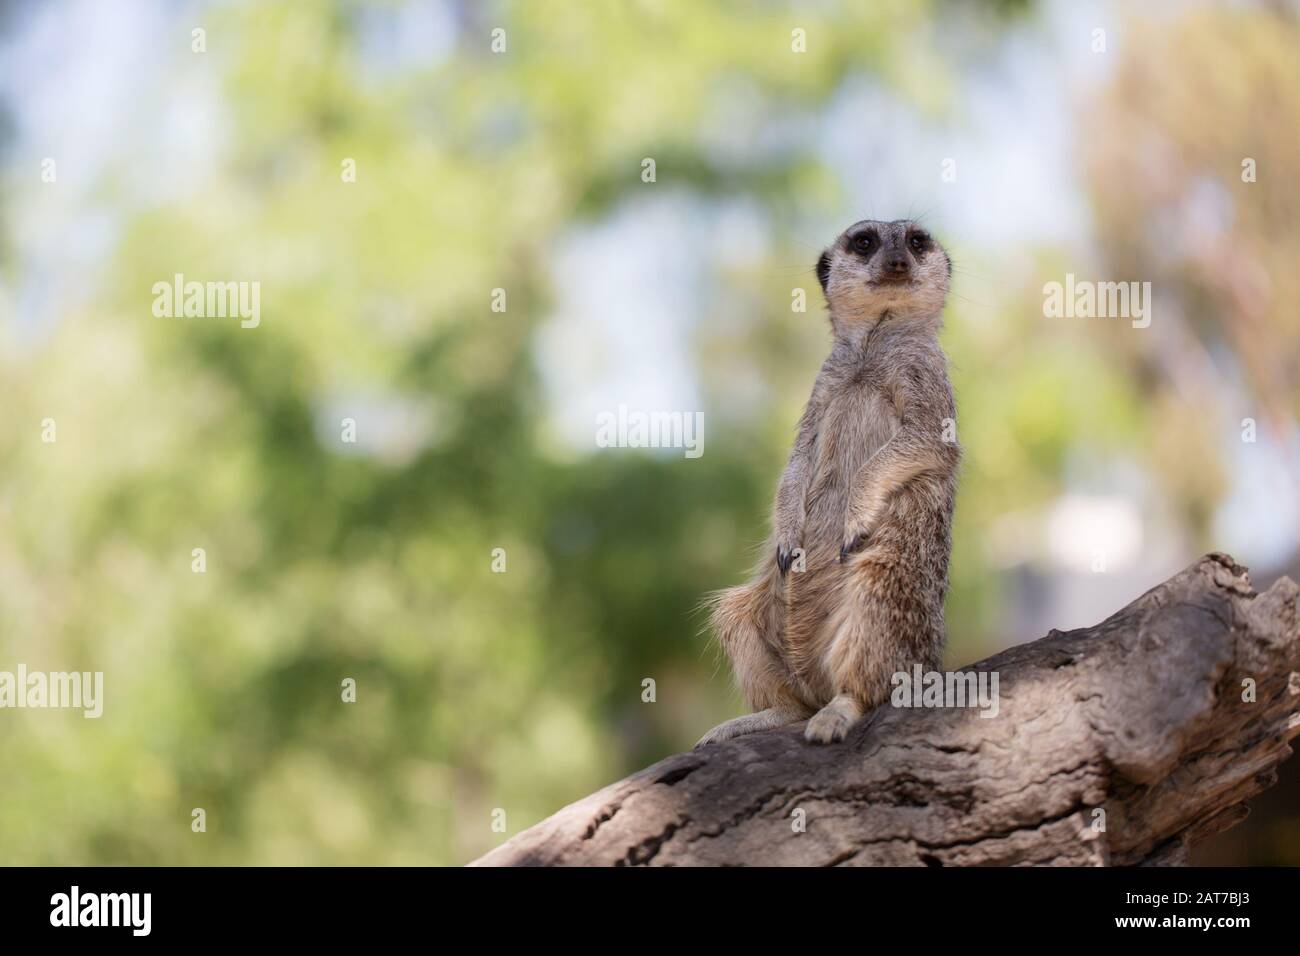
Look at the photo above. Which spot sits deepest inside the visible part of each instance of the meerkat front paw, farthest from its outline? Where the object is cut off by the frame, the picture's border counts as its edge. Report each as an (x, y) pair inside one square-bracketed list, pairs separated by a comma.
[(833, 721), (787, 549), (856, 535), (852, 544)]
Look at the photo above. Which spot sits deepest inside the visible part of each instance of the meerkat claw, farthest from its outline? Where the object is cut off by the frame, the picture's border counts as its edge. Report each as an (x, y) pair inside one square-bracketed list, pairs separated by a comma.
[(784, 558), (849, 547)]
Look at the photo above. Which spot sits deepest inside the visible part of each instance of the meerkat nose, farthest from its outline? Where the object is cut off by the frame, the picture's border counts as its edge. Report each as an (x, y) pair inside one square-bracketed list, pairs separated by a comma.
[(897, 262)]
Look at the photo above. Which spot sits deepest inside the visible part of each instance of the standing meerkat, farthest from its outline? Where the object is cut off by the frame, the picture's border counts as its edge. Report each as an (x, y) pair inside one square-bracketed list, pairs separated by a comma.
[(864, 505)]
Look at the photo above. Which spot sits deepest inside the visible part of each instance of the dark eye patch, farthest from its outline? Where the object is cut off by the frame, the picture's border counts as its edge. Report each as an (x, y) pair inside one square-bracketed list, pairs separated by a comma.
[(919, 243), (865, 244)]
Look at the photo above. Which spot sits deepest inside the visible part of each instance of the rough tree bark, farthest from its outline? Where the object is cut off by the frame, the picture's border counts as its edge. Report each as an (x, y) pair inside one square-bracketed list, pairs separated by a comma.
[(1141, 717)]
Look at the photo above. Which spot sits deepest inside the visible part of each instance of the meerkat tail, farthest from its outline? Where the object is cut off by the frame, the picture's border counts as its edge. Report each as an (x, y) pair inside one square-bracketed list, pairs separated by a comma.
[(747, 621), (752, 724)]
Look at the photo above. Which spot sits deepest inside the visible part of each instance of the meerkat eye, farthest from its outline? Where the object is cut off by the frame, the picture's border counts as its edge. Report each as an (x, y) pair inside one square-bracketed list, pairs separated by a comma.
[(919, 242), (865, 243)]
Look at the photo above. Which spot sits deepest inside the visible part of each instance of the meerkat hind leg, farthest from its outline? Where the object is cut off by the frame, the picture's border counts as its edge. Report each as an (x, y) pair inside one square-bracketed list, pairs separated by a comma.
[(833, 721)]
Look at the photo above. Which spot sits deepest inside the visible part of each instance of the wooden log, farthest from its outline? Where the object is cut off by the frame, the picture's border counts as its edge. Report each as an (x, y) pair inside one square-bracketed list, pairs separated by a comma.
[(1120, 744)]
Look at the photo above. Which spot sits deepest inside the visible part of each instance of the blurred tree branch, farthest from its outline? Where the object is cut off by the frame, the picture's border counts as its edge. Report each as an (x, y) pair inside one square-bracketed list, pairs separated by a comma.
[(1120, 744)]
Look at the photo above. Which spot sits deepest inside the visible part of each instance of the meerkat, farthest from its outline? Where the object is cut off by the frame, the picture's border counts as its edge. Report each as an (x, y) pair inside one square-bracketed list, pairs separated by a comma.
[(852, 586)]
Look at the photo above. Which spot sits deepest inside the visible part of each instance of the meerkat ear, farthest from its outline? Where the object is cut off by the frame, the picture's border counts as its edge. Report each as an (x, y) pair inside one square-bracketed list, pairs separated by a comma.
[(824, 269)]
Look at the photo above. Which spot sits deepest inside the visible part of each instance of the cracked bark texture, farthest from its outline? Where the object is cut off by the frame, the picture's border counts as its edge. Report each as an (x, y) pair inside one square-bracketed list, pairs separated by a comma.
[(1141, 717)]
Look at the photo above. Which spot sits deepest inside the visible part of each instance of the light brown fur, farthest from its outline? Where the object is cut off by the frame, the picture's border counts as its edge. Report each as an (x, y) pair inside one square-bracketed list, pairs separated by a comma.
[(867, 498)]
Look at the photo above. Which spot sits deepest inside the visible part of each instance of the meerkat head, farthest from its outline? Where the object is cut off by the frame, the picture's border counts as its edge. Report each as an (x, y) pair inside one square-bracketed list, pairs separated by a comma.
[(878, 267)]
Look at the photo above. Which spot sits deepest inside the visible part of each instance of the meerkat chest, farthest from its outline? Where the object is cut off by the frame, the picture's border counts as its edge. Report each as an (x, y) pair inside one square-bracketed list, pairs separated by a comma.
[(860, 417)]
